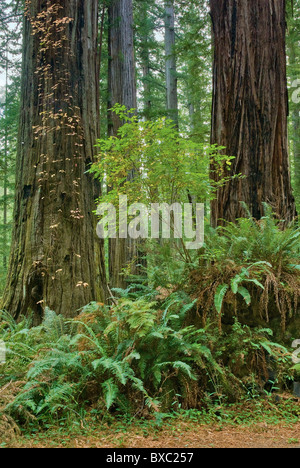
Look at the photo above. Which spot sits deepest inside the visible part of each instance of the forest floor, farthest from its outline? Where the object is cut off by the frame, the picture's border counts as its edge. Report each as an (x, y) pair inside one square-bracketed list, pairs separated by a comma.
[(253, 425), (186, 435)]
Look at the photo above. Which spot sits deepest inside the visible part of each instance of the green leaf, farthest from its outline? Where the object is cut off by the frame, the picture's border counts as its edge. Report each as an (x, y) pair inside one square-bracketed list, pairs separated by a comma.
[(184, 367), (220, 295), (235, 284), (110, 392), (256, 282), (245, 293)]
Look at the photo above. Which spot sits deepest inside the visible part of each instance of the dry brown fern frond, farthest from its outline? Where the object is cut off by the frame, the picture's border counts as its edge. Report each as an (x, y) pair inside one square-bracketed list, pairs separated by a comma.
[(9, 429), (278, 299)]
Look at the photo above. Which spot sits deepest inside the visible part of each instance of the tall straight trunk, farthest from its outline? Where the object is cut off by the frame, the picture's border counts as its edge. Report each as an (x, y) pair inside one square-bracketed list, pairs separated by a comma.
[(122, 90), (56, 259), (5, 165), (250, 107), (145, 59), (171, 69), (122, 80), (146, 85)]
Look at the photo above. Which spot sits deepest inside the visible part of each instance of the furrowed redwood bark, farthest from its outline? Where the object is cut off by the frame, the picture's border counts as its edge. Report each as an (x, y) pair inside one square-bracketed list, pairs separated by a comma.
[(122, 82), (250, 107), (56, 259), (122, 90)]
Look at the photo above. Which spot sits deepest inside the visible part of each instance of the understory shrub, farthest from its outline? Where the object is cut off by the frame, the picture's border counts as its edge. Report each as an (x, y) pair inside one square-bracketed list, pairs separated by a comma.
[(212, 337), (136, 357)]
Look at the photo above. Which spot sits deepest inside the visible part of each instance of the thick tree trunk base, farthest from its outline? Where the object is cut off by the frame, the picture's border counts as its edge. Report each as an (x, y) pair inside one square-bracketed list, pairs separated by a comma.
[(56, 259)]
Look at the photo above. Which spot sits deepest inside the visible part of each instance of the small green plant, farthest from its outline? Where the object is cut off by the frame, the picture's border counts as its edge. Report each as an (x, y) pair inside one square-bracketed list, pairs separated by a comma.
[(236, 284), (293, 441)]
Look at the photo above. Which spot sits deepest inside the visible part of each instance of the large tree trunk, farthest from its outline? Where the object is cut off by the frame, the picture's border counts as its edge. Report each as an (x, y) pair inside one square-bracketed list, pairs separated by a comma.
[(122, 90), (171, 69), (56, 259), (250, 107)]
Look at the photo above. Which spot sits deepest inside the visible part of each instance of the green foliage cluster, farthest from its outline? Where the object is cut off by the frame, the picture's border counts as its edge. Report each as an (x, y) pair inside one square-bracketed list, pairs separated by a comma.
[(166, 166), (293, 72), (137, 357), (194, 52), (250, 269), (150, 58)]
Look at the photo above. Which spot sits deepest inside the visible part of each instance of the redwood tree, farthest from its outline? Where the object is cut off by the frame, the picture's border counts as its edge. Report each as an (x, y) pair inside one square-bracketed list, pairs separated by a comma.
[(171, 68), (250, 107), (122, 82), (122, 90), (56, 260)]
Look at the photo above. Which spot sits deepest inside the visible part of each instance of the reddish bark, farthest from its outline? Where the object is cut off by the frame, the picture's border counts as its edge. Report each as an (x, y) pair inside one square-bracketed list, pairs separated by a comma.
[(56, 259), (250, 107)]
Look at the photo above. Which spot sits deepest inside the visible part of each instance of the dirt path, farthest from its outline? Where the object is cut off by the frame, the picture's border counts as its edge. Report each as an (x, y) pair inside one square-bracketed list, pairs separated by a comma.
[(187, 435), (256, 437)]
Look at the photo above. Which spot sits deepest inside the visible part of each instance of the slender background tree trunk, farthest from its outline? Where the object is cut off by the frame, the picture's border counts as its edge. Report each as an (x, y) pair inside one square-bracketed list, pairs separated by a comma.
[(171, 69), (56, 259), (5, 164), (250, 106), (145, 59)]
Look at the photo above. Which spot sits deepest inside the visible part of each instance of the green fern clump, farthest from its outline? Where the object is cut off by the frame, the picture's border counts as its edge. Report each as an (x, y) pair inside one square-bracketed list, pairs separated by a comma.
[(136, 357), (145, 351), (250, 267), (253, 355), (250, 241), (126, 358), (41, 363)]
